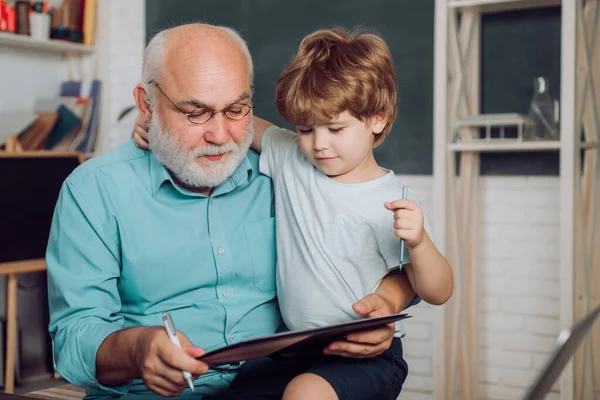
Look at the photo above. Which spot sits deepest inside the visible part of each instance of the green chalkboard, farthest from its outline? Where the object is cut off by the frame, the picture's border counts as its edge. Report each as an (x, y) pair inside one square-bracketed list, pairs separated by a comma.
[(274, 29)]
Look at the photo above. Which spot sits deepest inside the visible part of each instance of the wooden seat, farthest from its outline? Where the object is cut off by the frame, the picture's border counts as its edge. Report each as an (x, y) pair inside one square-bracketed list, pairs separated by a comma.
[(63, 392)]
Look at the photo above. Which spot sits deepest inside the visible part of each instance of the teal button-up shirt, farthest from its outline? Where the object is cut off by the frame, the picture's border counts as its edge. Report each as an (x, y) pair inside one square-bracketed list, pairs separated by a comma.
[(127, 244)]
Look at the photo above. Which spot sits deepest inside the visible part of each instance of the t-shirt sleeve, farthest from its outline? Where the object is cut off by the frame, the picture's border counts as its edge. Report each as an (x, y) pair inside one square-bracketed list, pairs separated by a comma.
[(389, 244), (277, 144)]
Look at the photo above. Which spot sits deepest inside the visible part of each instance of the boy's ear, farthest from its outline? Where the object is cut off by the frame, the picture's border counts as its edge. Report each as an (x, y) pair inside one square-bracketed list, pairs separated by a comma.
[(379, 122)]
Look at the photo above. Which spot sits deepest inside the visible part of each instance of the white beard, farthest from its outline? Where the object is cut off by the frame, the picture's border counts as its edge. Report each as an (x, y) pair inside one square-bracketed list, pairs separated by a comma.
[(185, 163)]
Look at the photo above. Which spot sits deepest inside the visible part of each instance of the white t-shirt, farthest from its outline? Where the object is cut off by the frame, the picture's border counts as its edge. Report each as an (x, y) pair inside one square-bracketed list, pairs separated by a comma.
[(335, 241)]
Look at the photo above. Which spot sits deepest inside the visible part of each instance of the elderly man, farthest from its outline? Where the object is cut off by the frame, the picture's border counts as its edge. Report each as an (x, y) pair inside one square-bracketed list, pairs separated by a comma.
[(187, 228)]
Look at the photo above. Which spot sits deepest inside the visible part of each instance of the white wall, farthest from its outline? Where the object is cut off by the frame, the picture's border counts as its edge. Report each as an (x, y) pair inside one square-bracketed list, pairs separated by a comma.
[(519, 310), (122, 30)]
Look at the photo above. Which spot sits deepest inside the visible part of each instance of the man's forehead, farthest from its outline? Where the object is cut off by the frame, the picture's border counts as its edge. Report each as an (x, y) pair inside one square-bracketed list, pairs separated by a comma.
[(194, 60), (211, 89), (215, 99), (221, 101)]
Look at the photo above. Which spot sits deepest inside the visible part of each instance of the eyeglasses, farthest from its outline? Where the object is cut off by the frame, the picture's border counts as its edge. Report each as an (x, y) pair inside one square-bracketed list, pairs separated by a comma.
[(200, 116)]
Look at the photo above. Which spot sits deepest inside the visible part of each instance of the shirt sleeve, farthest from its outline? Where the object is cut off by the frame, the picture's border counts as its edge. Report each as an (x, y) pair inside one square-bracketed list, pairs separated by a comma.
[(83, 262), (277, 144)]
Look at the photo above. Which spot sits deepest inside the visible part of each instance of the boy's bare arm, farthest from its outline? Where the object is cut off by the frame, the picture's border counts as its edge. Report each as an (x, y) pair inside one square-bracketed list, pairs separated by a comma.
[(260, 126), (430, 273)]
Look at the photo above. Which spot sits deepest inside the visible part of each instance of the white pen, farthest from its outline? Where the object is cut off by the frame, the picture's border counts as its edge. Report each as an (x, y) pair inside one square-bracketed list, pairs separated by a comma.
[(170, 327), (404, 196)]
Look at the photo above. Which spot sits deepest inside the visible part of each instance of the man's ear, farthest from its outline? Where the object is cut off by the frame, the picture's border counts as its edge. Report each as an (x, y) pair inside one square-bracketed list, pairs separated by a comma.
[(141, 100), (379, 122)]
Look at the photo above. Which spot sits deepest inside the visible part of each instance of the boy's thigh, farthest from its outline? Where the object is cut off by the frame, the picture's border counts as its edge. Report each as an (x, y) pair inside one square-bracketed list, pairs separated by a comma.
[(378, 378)]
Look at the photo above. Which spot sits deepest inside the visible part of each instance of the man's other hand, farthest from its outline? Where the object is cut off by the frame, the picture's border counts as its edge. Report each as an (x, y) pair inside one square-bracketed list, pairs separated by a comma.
[(368, 343)]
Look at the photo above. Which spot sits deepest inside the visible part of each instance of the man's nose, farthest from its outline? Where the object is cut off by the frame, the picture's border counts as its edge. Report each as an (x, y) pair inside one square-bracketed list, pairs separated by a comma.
[(217, 130)]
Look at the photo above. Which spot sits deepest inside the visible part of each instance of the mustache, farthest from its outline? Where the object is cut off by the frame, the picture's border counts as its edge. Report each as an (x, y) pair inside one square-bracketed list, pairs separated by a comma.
[(213, 150)]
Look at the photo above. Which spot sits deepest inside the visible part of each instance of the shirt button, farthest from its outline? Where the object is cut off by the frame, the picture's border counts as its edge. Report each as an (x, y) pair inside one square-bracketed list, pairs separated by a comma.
[(211, 199), (230, 336), (220, 251), (226, 294)]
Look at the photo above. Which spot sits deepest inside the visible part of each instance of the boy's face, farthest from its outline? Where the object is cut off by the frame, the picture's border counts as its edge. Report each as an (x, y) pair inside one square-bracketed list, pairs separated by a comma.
[(342, 148)]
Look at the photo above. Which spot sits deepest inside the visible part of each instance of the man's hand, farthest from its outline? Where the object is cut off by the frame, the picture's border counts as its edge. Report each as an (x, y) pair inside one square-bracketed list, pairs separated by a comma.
[(369, 343), (140, 132), (160, 363), (408, 221), (148, 353)]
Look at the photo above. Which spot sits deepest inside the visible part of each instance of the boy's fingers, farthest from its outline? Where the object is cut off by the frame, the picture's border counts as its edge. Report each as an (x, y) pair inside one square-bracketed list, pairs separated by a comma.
[(403, 213), (140, 130), (140, 142), (404, 223), (402, 203)]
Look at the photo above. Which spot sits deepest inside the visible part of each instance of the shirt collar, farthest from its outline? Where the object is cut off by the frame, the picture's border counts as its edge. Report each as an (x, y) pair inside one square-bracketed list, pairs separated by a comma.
[(159, 175)]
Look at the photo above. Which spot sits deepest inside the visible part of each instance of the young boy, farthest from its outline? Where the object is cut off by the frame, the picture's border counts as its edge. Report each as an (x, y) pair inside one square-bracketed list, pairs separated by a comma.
[(337, 231)]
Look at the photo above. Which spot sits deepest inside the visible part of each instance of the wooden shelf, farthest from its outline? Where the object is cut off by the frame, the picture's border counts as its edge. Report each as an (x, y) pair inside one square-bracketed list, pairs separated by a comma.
[(493, 120), (511, 145), (504, 145), (48, 46), (490, 6), (498, 122)]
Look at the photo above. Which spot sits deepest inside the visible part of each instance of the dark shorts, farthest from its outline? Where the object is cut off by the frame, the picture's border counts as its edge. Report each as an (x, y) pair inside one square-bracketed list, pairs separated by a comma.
[(378, 378)]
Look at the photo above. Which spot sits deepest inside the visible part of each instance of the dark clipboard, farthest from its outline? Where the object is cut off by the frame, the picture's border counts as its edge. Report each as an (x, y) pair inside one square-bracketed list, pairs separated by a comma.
[(268, 345)]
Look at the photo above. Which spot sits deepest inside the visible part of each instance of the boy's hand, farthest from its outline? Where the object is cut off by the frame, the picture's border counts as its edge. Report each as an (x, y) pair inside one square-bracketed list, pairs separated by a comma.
[(408, 221), (140, 133), (368, 343)]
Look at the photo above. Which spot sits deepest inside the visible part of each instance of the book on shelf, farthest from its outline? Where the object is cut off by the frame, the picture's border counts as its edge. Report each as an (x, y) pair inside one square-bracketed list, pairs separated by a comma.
[(34, 136), (70, 20), (74, 88)]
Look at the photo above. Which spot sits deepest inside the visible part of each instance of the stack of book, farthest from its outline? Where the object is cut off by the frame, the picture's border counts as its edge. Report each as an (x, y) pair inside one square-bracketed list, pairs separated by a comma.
[(71, 20), (68, 122)]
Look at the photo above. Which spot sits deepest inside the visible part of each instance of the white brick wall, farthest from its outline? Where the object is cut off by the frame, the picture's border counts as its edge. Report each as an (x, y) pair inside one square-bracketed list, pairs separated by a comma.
[(121, 41), (519, 310)]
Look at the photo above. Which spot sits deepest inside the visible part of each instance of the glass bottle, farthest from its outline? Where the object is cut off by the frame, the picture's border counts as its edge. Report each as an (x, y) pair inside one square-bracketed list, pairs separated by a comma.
[(542, 122)]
